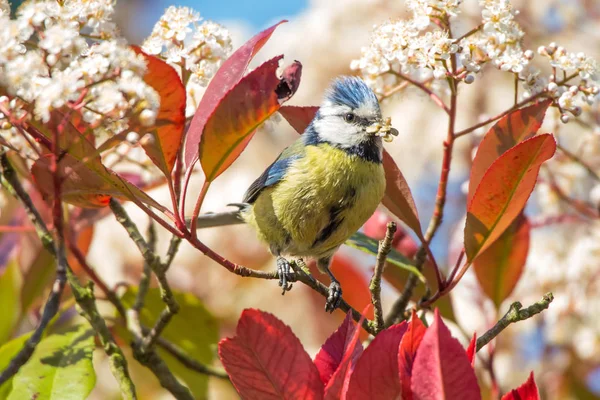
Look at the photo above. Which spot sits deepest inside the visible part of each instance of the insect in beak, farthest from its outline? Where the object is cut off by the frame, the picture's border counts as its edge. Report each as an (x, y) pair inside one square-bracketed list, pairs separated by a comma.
[(383, 129)]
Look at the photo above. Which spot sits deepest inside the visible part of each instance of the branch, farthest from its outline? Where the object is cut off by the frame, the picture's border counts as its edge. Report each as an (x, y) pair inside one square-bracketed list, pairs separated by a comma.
[(116, 357), (118, 363), (143, 344), (189, 362), (385, 246), (436, 99), (398, 308), (516, 313), (13, 186), (575, 158)]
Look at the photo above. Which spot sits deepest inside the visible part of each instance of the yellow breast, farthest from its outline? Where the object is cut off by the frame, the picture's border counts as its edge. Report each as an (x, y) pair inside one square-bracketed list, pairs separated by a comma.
[(326, 196)]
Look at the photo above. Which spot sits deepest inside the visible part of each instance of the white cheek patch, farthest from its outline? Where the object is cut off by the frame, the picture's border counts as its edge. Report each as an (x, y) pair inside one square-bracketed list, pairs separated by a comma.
[(335, 130)]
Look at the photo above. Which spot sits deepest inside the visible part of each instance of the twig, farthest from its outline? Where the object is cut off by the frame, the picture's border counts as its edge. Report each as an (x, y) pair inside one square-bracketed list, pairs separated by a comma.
[(110, 294), (116, 358), (11, 183), (118, 363), (511, 109), (397, 312), (437, 100), (189, 362), (142, 346), (471, 32), (385, 246), (579, 161), (399, 306), (516, 313), (144, 284)]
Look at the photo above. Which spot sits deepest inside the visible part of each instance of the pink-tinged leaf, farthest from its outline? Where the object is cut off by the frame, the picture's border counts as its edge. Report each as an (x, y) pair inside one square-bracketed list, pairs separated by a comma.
[(503, 192), (254, 99), (86, 181), (331, 354), (527, 391), (407, 352), (506, 133), (298, 117), (499, 268), (228, 75), (471, 350), (398, 198), (265, 360), (442, 370), (337, 386), (170, 120), (376, 373)]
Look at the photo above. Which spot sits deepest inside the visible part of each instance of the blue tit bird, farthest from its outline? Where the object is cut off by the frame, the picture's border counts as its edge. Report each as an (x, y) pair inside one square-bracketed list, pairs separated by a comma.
[(322, 188)]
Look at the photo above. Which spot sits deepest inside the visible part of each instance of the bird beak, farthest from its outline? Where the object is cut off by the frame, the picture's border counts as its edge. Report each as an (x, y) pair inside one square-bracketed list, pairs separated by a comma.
[(383, 129)]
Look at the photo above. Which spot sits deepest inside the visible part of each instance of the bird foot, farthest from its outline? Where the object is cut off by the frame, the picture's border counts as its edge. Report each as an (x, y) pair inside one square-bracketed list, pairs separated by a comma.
[(286, 275), (334, 296)]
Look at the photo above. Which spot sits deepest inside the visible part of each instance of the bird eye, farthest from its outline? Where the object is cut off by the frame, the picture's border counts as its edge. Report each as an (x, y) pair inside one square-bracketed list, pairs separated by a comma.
[(349, 117)]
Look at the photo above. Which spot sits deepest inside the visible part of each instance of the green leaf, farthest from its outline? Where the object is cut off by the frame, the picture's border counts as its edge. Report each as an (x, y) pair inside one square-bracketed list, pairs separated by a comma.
[(60, 368), (7, 353), (11, 283), (38, 276), (194, 330), (368, 245)]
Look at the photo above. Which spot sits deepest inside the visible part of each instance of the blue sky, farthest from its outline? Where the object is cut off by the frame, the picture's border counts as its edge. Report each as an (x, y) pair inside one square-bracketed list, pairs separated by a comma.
[(254, 13)]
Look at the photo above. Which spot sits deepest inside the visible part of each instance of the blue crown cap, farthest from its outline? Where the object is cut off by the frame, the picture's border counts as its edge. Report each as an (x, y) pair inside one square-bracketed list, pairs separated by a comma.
[(351, 91)]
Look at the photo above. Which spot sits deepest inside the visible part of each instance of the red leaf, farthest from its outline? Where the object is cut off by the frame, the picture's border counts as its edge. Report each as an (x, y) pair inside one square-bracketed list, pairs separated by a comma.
[(503, 192), (499, 268), (265, 360), (376, 373), (170, 120), (442, 369), (337, 386), (506, 133), (527, 391), (398, 198), (298, 117), (471, 350), (224, 80), (233, 123), (334, 349), (407, 352)]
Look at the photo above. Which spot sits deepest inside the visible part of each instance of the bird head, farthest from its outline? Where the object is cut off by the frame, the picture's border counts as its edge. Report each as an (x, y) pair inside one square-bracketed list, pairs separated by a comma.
[(350, 116)]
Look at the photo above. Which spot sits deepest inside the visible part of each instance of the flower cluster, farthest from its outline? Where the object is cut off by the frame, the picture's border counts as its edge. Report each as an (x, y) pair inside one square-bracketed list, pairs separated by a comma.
[(67, 57), (409, 47), (197, 50)]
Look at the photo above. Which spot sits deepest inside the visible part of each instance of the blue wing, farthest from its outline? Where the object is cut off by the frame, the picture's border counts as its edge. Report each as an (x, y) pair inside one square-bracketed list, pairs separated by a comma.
[(275, 172)]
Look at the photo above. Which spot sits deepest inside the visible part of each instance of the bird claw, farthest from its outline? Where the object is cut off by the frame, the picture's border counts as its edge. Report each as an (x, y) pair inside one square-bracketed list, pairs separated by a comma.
[(334, 297), (285, 273)]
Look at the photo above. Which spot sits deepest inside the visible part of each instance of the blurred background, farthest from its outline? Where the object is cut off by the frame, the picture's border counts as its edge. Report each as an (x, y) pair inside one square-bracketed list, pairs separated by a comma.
[(562, 345)]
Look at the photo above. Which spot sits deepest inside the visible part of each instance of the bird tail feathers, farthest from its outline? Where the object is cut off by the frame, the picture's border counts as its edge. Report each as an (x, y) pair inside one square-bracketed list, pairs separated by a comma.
[(210, 220)]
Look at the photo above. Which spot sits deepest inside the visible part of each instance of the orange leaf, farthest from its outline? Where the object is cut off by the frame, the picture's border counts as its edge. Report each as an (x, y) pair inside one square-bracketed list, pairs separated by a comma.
[(499, 268), (398, 198), (233, 123), (228, 75), (509, 131), (503, 192), (170, 120)]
